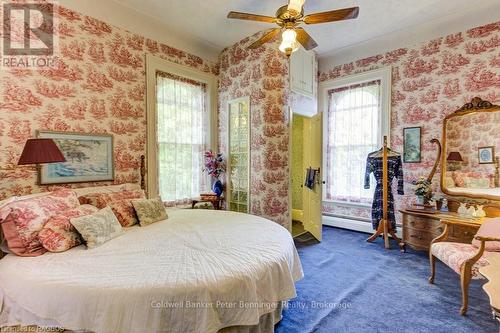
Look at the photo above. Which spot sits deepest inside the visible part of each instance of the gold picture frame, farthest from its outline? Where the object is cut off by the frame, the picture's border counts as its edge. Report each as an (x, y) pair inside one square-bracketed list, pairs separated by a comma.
[(476, 106), (89, 158)]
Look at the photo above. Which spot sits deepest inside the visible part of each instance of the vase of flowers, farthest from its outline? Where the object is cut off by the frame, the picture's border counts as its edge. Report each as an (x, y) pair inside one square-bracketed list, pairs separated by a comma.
[(423, 191), (215, 167)]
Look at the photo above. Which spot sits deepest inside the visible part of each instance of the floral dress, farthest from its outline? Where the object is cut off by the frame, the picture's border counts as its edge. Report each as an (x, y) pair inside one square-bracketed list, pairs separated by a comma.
[(395, 169)]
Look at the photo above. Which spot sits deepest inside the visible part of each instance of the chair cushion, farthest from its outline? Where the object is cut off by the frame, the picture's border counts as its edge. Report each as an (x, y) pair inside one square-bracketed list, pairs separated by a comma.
[(490, 228), (455, 254)]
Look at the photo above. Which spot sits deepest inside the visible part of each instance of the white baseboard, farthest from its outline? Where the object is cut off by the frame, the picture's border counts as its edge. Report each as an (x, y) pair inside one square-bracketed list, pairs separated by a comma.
[(351, 224)]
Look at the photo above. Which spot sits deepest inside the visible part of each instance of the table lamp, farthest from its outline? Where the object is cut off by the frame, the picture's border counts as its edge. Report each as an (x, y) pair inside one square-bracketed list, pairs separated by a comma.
[(455, 158), (39, 151)]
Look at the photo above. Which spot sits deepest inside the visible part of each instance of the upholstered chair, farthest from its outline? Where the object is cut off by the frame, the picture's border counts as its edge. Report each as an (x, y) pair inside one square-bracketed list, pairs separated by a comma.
[(466, 259)]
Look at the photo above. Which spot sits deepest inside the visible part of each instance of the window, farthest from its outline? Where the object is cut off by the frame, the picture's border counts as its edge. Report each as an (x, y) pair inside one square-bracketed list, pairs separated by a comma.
[(239, 155), (183, 122), (356, 119), (181, 105)]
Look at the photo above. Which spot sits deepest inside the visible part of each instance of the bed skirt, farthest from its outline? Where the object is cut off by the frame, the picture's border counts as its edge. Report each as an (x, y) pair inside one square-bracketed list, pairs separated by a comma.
[(13, 318)]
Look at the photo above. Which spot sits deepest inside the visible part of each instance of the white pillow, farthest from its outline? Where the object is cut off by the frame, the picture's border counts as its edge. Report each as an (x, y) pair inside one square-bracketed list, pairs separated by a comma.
[(98, 228)]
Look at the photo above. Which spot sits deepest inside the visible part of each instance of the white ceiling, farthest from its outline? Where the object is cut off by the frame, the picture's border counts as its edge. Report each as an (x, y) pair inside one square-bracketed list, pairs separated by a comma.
[(205, 20)]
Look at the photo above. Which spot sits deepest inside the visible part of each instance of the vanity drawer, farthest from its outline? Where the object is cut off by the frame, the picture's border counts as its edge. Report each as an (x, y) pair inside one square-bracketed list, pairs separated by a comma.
[(418, 239), (416, 222), (461, 234)]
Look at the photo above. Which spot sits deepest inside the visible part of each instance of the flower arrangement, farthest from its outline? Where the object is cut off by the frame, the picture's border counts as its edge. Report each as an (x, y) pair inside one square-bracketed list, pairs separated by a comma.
[(214, 164), (423, 189)]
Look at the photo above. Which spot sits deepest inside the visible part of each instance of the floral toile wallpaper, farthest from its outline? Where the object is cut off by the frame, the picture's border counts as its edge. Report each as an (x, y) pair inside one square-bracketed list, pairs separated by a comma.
[(97, 87), (261, 74), (430, 81)]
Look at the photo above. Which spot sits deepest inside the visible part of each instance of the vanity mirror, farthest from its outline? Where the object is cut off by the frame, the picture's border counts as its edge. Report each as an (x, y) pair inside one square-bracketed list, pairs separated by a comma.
[(471, 140)]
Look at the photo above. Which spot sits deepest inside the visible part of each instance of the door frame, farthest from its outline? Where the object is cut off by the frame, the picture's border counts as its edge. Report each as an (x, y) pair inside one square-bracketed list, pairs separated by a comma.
[(305, 197)]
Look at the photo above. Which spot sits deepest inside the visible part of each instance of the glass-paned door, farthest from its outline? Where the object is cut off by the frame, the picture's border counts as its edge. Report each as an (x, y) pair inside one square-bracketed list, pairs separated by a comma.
[(239, 155)]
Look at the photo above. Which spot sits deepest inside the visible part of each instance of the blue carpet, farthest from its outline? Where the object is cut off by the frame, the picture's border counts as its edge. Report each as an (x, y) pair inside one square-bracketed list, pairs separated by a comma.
[(354, 286)]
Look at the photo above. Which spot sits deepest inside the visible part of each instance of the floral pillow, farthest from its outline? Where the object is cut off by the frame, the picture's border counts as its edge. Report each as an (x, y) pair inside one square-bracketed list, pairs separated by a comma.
[(458, 178), (149, 211), (472, 182), (24, 219), (124, 212), (101, 200), (98, 228), (58, 234)]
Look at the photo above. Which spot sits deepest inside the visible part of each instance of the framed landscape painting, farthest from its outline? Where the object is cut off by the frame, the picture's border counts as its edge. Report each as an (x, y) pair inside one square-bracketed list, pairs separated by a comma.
[(412, 142), (89, 158)]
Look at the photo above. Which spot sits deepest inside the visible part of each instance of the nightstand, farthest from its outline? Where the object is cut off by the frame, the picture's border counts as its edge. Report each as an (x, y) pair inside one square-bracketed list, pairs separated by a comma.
[(216, 202)]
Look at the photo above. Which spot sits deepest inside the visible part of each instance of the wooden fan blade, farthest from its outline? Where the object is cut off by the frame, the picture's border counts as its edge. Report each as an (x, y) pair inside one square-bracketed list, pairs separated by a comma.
[(332, 16), (305, 39), (269, 35), (251, 17)]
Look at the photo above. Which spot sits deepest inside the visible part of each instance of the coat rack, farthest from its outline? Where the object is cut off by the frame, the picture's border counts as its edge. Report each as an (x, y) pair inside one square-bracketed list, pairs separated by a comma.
[(384, 227)]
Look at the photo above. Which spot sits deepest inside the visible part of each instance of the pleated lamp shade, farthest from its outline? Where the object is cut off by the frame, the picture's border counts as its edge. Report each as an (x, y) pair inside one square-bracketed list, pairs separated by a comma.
[(38, 151), (455, 157)]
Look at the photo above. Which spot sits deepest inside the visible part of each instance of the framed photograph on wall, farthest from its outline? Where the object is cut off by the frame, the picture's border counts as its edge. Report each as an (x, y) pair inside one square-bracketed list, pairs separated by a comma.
[(486, 155), (89, 158), (412, 144)]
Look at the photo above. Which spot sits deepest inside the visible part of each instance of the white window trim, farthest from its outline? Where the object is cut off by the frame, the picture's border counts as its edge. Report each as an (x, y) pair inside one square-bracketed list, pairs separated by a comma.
[(383, 74), (154, 64)]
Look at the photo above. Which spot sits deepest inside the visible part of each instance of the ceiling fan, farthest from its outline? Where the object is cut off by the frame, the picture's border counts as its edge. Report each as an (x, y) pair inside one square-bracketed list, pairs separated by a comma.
[(289, 18)]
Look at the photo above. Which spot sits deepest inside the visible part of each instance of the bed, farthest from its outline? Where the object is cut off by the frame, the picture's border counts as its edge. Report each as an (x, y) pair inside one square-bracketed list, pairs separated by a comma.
[(197, 271)]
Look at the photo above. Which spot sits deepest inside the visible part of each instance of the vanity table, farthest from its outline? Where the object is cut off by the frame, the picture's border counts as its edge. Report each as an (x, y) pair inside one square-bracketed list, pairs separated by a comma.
[(472, 133), (420, 228)]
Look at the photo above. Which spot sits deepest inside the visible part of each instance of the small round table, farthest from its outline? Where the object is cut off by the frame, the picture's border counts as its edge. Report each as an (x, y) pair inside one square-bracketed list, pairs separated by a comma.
[(216, 202)]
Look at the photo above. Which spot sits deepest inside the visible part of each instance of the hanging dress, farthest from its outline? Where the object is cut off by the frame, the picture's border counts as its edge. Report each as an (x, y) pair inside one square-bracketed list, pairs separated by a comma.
[(395, 169)]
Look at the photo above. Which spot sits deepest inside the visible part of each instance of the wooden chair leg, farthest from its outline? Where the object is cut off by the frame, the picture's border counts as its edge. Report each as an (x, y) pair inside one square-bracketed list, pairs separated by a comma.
[(433, 267), (465, 278)]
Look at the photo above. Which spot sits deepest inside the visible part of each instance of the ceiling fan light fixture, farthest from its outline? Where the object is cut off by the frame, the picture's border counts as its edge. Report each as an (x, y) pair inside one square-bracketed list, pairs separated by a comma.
[(289, 42), (296, 6)]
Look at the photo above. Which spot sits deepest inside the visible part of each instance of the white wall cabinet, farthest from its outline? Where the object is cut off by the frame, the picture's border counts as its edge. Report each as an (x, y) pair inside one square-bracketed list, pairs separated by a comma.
[(302, 72)]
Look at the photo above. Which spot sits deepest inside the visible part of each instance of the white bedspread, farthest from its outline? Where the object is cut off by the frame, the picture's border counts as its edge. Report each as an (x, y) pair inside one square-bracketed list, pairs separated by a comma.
[(198, 271)]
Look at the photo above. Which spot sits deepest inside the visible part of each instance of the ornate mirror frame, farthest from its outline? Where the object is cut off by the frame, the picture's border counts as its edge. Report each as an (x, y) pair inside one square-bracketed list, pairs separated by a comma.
[(477, 105)]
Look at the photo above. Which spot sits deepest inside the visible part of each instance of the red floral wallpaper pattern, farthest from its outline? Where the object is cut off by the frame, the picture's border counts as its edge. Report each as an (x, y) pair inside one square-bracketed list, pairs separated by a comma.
[(98, 86), (261, 74), (430, 81)]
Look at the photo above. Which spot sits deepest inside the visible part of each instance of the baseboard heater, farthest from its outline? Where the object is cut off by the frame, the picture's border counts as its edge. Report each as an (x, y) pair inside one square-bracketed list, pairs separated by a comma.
[(350, 223)]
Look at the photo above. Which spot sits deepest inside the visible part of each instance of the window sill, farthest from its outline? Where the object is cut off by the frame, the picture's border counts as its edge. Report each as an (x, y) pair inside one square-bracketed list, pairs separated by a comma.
[(348, 204)]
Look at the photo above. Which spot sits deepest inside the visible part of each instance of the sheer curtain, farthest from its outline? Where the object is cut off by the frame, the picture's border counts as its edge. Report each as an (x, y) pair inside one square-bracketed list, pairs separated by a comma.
[(354, 129), (183, 135)]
